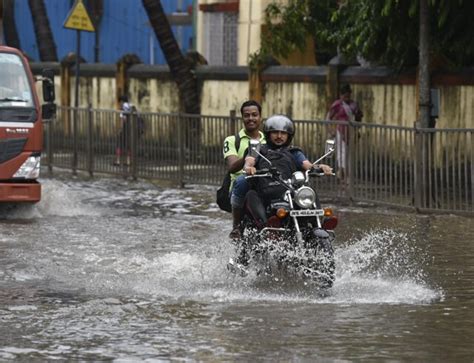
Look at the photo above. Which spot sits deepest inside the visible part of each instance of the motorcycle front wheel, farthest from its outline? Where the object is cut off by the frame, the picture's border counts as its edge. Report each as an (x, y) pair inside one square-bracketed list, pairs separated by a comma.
[(320, 266)]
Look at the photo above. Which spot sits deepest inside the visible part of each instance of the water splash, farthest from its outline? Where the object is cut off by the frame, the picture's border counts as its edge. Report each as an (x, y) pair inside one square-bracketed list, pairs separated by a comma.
[(57, 199), (382, 254), (63, 199), (382, 266)]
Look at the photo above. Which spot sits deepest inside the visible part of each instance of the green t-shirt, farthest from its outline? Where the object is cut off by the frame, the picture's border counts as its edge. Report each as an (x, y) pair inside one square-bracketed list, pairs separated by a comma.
[(229, 149)]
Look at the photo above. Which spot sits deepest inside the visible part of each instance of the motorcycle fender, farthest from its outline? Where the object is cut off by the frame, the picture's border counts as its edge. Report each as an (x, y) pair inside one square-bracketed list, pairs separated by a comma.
[(320, 233), (324, 240)]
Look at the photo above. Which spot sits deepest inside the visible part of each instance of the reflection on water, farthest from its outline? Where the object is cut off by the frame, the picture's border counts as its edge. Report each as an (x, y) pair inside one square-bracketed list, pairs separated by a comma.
[(110, 269)]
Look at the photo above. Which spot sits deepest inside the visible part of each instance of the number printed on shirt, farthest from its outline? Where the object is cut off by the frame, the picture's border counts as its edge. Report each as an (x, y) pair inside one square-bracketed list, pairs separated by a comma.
[(226, 146)]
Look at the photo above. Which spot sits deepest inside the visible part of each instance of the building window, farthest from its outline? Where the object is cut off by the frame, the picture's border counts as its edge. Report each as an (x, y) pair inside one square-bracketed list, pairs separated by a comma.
[(220, 38)]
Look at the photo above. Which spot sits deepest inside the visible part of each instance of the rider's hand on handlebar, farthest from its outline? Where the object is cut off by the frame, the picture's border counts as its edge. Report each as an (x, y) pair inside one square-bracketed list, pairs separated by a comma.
[(250, 170), (323, 168), (249, 165)]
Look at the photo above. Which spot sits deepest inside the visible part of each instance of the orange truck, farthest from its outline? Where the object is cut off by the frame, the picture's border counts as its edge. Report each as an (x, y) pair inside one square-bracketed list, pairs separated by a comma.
[(21, 126)]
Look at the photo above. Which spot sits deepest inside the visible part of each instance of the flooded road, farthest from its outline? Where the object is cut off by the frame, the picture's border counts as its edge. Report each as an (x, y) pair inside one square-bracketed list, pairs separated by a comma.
[(115, 270)]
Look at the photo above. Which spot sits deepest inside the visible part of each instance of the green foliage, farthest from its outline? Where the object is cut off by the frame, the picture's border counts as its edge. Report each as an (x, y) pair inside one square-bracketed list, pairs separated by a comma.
[(290, 31), (260, 59), (381, 31), (387, 31), (287, 28)]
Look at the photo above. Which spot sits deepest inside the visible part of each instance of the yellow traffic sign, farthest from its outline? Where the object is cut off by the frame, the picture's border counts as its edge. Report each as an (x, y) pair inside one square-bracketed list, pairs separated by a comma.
[(78, 18)]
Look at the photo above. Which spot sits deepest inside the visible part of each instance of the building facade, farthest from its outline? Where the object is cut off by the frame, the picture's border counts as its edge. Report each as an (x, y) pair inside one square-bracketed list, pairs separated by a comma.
[(228, 31), (123, 29)]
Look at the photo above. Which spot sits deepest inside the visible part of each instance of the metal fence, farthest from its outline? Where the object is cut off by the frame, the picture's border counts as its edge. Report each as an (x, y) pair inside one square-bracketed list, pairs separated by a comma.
[(423, 169)]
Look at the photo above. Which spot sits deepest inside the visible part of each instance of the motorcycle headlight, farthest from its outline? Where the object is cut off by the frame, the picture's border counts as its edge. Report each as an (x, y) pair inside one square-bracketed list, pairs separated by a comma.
[(30, 169), (297, 178), (305, 197)]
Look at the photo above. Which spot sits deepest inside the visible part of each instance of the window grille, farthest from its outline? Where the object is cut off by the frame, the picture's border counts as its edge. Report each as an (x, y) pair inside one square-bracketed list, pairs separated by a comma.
[(220, 38)]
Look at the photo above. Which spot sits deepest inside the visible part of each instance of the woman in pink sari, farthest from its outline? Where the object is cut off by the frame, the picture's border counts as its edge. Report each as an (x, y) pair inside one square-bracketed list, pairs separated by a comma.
[(343, 109)]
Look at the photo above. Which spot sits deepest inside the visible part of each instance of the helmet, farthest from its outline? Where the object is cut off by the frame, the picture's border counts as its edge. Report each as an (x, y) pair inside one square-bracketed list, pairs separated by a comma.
[(279, 123)]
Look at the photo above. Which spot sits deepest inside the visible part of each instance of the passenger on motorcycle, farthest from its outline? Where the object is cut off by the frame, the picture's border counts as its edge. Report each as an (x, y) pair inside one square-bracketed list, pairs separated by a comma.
[(279, 131), (234, 151)]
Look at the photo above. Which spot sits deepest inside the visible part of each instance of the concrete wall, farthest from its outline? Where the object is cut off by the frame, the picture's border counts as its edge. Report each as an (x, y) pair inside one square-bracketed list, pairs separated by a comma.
[(387, 104), (302, 101), (457, 107), (385, 98)]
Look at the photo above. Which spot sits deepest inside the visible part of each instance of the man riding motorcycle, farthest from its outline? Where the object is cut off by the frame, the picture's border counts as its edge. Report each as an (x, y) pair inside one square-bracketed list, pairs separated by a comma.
[(279, 131)]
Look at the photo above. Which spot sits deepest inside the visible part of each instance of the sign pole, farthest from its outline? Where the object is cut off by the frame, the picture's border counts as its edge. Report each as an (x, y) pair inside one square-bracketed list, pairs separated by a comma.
[(76, 100), (77, 19), (78, 61)]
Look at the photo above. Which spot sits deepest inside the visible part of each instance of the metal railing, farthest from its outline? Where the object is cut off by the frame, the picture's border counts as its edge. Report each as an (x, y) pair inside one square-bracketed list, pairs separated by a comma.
[(423, 169)]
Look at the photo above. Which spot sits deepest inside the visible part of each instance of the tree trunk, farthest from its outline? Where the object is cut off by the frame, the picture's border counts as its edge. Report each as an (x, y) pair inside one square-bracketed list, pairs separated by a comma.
[(179, 67), (96, 10), (9, 27), (1, 24), (44, 36), (424, 63), (422, 185)]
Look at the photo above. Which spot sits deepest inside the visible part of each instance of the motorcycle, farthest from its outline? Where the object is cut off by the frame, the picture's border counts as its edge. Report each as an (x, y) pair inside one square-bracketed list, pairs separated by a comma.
[(290, 232)]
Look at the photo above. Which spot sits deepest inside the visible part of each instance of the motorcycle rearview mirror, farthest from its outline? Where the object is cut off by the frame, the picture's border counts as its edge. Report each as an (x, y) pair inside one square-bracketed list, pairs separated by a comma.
[(48, 85), (330, 146), (254, 151), (254, 147)]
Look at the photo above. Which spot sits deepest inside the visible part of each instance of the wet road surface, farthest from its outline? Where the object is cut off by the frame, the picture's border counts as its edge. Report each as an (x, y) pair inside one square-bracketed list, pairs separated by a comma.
[(129, 271)]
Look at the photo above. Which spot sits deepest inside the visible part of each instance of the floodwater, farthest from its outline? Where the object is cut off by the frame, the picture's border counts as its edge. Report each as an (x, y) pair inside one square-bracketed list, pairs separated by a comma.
[(129, 271)]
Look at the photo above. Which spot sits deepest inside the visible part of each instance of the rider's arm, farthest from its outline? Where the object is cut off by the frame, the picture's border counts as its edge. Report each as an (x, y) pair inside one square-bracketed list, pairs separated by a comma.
[(233, 161), (302, 161), (306, 165)]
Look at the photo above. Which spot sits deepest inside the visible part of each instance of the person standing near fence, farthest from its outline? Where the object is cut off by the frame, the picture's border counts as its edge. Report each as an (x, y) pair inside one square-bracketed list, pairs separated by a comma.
[(234, 157), (123, 141), (343, 109)]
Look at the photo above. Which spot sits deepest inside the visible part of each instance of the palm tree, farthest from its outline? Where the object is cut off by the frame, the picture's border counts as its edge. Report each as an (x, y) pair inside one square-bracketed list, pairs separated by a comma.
[(96, 10), (179, 67), (9, 26), (44, 36)]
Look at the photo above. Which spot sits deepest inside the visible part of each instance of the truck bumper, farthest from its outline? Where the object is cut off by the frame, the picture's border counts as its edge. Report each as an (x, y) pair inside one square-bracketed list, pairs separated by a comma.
[(20, 192)]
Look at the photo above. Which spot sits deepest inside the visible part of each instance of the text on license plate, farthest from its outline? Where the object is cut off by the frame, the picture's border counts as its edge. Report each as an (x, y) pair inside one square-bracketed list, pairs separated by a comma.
[(306, 212)]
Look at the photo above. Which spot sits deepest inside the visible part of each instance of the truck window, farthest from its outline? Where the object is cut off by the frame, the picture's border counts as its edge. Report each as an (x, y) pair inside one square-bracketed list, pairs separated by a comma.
[(15, 89)]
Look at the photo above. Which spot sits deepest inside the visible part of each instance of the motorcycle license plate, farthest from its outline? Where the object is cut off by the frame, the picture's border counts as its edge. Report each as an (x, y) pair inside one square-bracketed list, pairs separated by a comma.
[(306, 212)]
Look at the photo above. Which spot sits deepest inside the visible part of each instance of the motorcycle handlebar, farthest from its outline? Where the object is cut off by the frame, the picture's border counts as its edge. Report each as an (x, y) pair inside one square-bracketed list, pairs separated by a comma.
[(317, 172), (262, 173)]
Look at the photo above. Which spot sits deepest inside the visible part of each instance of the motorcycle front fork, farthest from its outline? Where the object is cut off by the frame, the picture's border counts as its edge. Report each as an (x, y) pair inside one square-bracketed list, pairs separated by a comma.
[(299, 235)]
